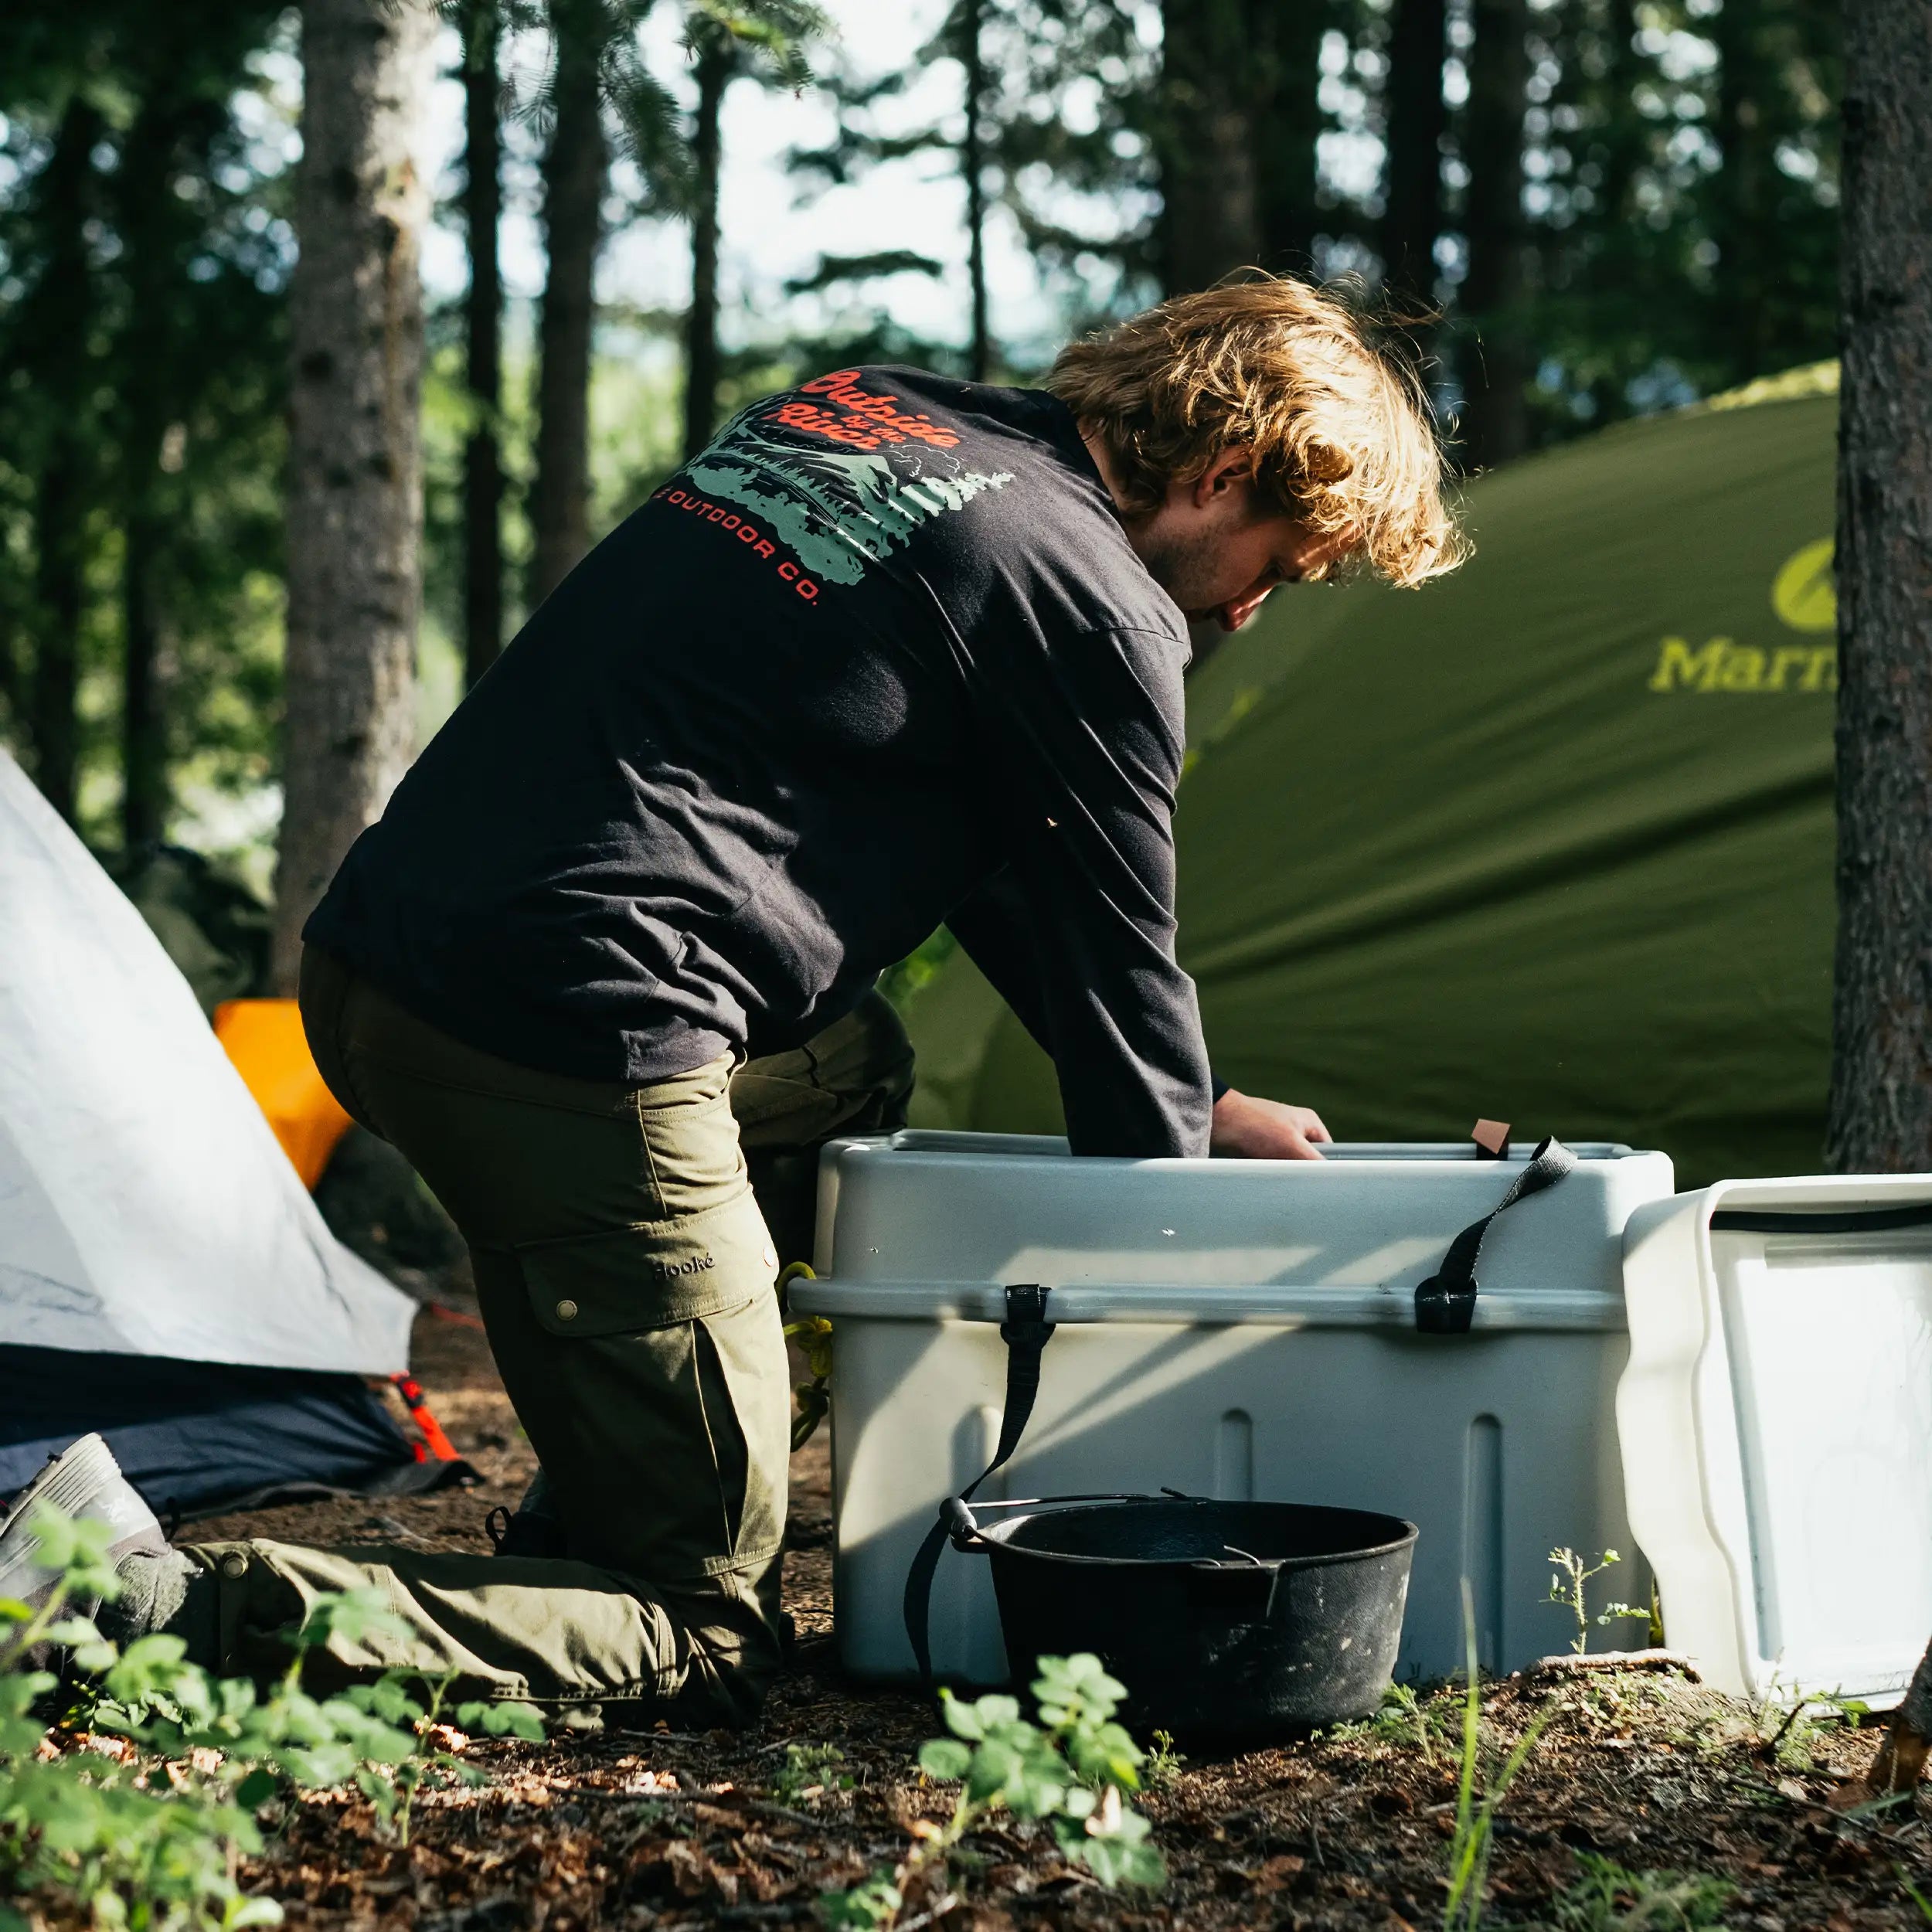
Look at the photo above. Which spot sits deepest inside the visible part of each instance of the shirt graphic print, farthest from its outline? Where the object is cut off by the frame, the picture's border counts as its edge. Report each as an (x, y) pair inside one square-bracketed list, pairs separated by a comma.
[(840, 475)]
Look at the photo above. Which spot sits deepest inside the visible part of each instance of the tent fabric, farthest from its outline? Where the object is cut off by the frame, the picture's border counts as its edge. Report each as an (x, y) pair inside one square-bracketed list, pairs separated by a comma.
[(145, 1206), (195, 1436), (264, 1040), (1550, 842)]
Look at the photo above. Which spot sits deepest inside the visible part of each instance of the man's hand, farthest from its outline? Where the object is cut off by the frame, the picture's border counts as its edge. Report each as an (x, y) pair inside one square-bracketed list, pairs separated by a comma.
[(1248, 1129)]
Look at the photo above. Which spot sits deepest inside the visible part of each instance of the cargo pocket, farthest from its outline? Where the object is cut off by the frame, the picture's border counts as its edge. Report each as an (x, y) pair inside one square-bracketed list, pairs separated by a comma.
[(651, 1273), (661, 1391)]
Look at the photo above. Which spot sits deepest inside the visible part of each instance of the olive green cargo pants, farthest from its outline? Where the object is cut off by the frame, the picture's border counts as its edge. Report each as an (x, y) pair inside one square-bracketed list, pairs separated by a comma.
[(626, 1278)]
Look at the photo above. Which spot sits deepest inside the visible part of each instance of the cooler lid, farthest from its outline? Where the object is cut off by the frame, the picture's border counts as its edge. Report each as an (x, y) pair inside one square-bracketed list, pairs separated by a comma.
[(1776, 1427), (931, 1216)]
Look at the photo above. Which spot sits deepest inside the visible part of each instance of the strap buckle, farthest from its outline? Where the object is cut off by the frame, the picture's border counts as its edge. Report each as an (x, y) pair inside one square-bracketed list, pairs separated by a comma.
[(1441, 1309), (1025, 1315)]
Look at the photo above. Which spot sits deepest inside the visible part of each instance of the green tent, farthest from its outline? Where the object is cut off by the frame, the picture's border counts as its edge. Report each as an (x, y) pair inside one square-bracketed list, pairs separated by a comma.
[(1550, 842)]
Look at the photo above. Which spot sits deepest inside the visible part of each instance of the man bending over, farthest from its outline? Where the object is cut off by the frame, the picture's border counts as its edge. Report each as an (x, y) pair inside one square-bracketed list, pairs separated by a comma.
[(895, 650)]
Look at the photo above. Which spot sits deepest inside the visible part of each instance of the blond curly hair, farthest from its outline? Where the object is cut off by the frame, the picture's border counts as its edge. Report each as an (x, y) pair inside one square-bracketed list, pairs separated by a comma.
[(1328, 401)]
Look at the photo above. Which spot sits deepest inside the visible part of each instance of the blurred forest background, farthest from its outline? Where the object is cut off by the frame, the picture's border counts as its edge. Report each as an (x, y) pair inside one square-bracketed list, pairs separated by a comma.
[(1614, 206)]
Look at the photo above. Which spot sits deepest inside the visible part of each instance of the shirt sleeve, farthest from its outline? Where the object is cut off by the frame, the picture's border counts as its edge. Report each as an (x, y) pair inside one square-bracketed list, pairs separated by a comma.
[(991, 923), (1083, 755)]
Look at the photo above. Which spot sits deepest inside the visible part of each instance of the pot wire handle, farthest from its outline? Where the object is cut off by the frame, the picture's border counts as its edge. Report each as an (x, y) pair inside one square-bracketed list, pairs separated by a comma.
[(962, 1526)]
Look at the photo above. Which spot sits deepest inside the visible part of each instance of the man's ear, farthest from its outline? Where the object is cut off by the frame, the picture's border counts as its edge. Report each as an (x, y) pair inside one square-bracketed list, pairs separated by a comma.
[(1232, 469)]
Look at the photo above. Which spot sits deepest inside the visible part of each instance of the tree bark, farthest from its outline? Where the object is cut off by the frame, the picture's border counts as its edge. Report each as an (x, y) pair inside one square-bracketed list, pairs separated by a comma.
[(1880, 1119), (1495, 424), (483, 371), (972, 165), (1624, 136), (143, 720), (355, 495), (1288, 64), (1210, 213), (154, 251), (715, 67), (1416, 119), (59, 323), (1739, 189), (573, 177), (1908, 1737)]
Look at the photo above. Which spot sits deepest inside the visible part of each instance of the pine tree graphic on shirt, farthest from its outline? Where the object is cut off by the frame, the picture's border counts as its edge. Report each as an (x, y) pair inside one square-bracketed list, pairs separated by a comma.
[(838, 511)]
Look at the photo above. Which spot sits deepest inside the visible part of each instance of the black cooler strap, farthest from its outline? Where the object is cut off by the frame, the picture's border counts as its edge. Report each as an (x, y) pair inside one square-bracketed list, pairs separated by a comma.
[(1446, 1301), (1026, 1332)]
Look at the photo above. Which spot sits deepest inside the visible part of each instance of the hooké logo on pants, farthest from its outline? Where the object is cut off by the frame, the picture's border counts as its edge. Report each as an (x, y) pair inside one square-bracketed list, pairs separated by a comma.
[(696, 1264)]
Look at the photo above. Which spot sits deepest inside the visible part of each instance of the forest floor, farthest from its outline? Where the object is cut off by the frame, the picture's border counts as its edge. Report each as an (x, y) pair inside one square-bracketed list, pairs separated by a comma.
[(1351, 1828)]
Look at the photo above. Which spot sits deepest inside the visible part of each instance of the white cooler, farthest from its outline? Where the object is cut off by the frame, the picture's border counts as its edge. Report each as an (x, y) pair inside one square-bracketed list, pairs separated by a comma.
[(1777, 1424), (1235, 1329)]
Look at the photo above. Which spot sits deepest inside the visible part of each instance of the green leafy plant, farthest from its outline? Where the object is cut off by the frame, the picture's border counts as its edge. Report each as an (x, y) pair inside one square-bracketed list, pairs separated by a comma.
[(809, 1771), (1164, 1764), (145, 1803), (1475, 1822), (1071, 1769), (1403, 1717), (1568, 1587), (1801, 1718), (1788, 1720), (1605, 1897)]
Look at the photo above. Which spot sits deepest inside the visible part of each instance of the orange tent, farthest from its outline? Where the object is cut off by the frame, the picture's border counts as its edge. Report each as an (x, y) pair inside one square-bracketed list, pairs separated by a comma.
[(264, 1039)]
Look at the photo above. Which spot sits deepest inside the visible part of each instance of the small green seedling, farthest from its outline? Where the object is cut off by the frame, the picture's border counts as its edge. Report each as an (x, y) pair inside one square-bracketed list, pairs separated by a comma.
[(1403, 1717), (1071, 1770), (1164, 1764), (1605, 1897), (1568, 1586), (1803, 1716), (1469, 1848), (809, 1771)]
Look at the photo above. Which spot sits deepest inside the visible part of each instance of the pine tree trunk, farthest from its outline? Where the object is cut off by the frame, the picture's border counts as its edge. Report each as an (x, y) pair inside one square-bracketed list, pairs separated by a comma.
[(483, 317), (1495, 367), (1739, 190), (154, 251), (1210, 212), (573, 177), (355, 494), (715, 66), (1624, 135), (1881, 1108), (1416, 119), (59, 322), (1287, 63), (972, 165), (144, 722)]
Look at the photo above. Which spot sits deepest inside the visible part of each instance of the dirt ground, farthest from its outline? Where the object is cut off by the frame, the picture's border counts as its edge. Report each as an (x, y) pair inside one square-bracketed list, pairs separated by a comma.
[(1348, 1829)]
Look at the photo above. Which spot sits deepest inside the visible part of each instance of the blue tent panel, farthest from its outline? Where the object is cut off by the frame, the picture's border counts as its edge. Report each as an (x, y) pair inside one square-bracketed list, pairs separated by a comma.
[(198, 1437)]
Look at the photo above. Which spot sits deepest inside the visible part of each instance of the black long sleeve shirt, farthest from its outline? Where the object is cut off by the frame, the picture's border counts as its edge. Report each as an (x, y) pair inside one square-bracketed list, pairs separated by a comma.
[(882, 643)]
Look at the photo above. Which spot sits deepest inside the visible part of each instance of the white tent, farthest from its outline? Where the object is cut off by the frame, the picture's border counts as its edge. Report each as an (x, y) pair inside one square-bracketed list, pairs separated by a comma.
[(146, 1209)]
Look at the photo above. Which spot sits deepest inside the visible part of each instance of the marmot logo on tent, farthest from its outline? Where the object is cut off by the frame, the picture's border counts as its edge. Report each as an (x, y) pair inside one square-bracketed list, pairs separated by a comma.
[(670, 1270), (1725, 664)]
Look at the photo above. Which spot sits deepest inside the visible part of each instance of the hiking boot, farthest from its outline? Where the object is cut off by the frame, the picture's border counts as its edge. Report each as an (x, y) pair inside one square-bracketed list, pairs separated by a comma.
[(532, 1529), (84, 1483)]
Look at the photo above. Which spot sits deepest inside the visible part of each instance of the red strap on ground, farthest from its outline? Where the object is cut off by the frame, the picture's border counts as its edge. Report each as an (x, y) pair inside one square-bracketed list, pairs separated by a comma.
[(439, 1445)]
